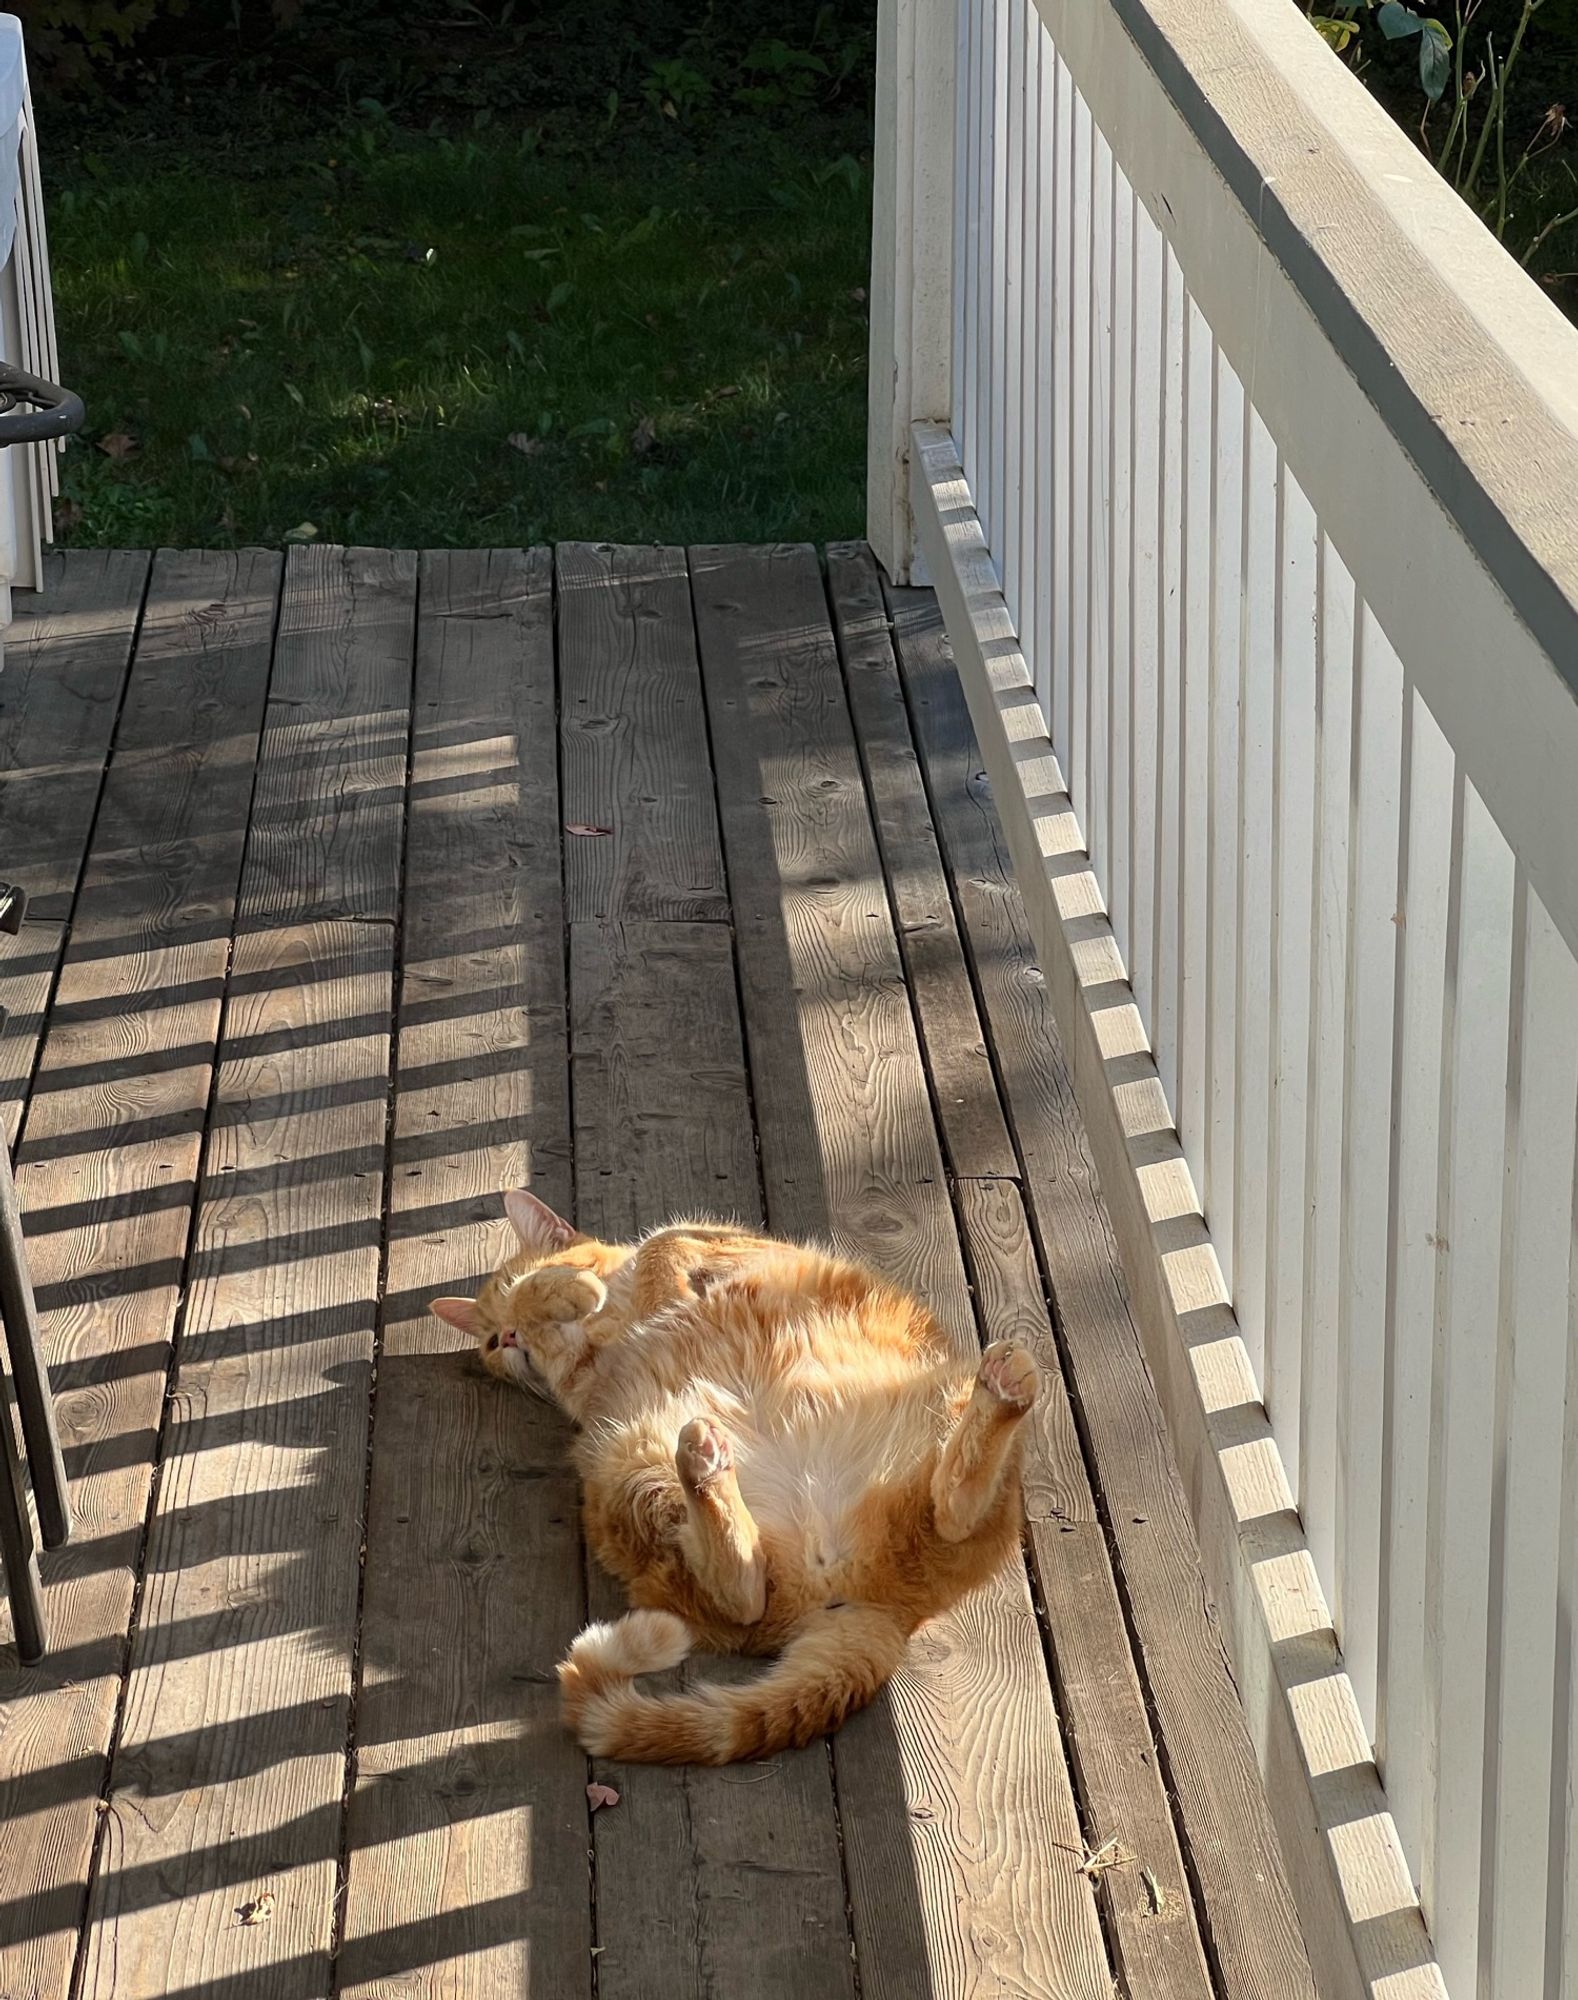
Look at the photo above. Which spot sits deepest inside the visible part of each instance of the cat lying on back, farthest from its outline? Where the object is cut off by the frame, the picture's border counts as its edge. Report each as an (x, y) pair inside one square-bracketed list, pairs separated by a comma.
[(779, 1455)]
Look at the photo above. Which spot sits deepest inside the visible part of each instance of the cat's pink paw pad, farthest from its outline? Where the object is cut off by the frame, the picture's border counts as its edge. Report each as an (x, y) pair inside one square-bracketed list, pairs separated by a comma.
[(704, 1453), (1010, 1374)]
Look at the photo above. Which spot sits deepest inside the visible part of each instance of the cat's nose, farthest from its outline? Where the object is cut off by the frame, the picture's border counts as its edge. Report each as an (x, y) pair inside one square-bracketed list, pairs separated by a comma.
[(508, 1338)]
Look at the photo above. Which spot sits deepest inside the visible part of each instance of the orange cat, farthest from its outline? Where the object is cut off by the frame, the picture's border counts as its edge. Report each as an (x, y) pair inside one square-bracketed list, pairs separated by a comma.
[(779, 1456)]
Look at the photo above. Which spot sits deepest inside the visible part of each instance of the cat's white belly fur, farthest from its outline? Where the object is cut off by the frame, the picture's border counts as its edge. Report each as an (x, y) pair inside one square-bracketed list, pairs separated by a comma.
[(803, 1473)]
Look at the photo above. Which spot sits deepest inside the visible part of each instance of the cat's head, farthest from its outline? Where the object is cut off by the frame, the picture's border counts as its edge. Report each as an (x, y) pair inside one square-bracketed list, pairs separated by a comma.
[(552, 1278)]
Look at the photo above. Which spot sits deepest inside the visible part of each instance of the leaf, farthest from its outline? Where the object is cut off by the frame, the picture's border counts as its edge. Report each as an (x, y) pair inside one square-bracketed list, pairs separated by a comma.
[(1396, 23), (524, 443), (1435, 60), (585, 832), (304, 531), (258, 1910), (197, 448), (643, 437), (601, 1795), (639, 232), (561, 294), (1337, 33), (119, 444)]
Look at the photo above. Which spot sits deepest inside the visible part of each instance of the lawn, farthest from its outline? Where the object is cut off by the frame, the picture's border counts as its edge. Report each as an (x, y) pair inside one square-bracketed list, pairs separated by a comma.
[(487, 273), (408, 338)]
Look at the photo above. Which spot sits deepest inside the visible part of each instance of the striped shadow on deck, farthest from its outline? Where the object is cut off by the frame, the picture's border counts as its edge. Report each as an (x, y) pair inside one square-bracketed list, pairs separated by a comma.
[(325, 953)]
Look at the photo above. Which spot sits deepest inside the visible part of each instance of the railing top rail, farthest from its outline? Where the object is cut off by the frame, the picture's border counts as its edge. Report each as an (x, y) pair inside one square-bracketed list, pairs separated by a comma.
[(1473, 368)]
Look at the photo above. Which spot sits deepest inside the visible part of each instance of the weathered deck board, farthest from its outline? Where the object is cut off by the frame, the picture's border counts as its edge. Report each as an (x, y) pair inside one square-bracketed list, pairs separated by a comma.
[(66, 660), (1116, 1766), (1251, 1930), (467, 1831), (109, 1163), (707, 1881), (228, 1779), (959, 1822), (1114, 1758), (662, 1109), (971, 1118), (324, 839), (635, 739), (822, 1064)]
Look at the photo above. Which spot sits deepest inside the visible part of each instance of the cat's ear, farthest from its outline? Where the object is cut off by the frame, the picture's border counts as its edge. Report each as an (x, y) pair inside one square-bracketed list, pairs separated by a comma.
[(460, 1313), (535, 1223)]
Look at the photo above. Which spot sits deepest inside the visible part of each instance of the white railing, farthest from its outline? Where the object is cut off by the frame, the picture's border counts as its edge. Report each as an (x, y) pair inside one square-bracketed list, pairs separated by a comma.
[(1246, 467)]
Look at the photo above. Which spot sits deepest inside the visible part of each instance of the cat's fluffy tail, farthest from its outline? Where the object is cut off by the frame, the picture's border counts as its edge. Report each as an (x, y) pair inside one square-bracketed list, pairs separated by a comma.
[(833, 1665)]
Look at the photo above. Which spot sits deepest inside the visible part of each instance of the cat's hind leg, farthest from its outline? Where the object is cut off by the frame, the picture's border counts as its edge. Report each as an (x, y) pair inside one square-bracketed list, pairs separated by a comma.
[(720, 1541), (978, 1456), (682, 1262)]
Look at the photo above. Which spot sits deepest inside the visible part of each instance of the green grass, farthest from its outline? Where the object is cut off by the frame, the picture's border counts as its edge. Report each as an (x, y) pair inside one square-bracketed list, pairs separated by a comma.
[(407, 340)]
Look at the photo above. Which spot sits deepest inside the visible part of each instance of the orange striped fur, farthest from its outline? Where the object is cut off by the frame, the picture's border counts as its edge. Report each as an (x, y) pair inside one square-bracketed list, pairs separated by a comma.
[(778, 1455)]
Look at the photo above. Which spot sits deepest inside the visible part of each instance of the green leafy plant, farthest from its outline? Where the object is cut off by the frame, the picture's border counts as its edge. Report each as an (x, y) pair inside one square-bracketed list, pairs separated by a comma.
[(1337, 31), (1475, 153), (675, 88), (1397, 23)]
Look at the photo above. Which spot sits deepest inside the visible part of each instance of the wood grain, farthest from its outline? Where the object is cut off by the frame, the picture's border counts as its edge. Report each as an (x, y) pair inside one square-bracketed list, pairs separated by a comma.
[(1115, 1765), (974, 1135), (662, 1109), (1121, 1784), (228, 1779), (707, 1881), (1251, 1931), (635, 739), (110, 1149), (66, 660), (955, 1798), (330, 799), (467, 1825)]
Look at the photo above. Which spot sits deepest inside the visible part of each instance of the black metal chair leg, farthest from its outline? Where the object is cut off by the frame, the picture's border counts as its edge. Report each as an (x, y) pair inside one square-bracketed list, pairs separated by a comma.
[(16, 1547), (28, 1372)]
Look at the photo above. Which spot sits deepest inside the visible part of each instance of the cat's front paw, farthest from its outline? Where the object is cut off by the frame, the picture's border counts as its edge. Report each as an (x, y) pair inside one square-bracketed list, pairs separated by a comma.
[(1009, 1374), (704, 1454)]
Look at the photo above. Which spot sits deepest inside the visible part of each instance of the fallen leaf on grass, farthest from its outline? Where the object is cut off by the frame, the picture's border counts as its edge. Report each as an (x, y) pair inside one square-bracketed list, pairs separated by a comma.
[(643, 437), (602, 1795), (68, 515), (258, 1911), (118, 444), (304, 531), (525, 443), (587, 832)]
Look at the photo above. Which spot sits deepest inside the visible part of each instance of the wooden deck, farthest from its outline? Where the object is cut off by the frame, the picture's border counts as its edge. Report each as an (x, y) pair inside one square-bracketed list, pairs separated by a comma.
[(367, 885)]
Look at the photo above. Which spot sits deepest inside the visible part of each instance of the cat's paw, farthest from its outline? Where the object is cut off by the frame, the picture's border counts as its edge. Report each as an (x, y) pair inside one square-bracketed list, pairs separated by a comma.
[(1009, 1374), (704, 1454)]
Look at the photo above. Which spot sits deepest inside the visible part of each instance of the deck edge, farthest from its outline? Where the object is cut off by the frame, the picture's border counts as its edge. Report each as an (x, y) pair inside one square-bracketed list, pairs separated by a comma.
[(1355, 1897)]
